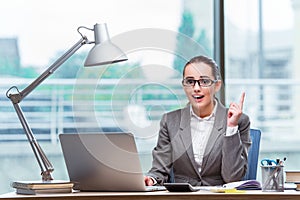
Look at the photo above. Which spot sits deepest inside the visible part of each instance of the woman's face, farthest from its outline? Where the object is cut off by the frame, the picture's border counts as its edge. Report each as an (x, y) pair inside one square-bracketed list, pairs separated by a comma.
[(201, 98)]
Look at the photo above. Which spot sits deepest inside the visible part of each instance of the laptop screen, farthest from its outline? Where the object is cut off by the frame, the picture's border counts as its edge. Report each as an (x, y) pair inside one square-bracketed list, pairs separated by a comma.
[(102, 161)]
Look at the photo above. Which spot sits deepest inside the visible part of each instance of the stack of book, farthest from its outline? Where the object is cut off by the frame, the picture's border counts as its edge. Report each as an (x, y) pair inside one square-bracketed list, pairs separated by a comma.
[(39, 187), (293, 177)]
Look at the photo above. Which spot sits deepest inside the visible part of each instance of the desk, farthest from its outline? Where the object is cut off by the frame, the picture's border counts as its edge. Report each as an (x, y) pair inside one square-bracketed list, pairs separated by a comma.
[(159, 195)]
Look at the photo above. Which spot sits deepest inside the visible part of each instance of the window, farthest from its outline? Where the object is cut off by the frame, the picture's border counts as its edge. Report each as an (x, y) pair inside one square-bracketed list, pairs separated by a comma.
[(129, 96), (261, 49)]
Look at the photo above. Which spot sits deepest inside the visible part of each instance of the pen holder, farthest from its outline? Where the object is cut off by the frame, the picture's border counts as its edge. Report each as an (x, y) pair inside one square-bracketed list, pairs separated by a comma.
[(272, 178)]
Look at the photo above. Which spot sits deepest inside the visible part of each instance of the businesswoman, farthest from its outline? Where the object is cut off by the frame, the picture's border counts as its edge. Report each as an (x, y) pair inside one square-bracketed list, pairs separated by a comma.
[(203, 143)]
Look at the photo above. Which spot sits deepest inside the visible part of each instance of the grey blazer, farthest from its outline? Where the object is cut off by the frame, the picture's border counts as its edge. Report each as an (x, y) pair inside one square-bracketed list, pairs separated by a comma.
[(225, 158)]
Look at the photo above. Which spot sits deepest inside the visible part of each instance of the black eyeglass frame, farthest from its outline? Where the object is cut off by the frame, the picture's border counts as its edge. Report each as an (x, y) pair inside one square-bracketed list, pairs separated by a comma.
[(198, 81)]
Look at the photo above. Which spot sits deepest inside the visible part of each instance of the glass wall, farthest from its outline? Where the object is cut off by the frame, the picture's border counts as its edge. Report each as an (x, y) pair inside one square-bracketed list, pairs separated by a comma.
[(262, 44), (129, 96)]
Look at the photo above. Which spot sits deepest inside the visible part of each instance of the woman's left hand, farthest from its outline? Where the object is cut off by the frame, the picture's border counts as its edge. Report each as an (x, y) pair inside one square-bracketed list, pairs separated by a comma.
[(235, 111)]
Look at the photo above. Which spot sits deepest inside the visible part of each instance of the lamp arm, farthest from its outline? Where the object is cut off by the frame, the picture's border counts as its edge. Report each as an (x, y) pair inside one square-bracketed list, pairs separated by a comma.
[(44, 163)]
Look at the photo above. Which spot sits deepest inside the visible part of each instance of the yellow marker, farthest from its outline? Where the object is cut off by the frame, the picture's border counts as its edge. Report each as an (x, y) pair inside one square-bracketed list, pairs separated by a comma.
[(227, 190)]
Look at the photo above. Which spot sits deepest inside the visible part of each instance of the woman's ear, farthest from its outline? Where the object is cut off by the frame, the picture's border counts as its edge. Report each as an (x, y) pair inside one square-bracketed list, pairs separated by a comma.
[(218, 86)]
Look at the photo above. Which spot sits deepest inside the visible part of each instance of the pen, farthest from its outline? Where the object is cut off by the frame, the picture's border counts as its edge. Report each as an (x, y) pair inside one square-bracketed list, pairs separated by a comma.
[(273, 176)]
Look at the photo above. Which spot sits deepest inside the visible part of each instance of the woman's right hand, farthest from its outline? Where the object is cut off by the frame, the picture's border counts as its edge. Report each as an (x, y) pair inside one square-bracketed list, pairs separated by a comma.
[(148, 181)]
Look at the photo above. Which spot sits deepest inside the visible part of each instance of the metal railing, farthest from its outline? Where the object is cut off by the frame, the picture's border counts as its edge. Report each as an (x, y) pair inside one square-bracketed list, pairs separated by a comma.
[(70, 105), (62, 105)]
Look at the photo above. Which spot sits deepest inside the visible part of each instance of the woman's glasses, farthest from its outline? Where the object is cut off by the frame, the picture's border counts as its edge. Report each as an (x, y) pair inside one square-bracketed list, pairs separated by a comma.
[(203, 82)]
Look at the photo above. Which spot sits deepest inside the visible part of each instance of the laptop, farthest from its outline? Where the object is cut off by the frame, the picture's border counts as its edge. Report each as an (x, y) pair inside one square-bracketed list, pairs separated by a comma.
[(103, 162)]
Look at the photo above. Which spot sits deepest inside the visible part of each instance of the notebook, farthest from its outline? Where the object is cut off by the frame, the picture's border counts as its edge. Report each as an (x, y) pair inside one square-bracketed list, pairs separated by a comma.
[(103, 162)]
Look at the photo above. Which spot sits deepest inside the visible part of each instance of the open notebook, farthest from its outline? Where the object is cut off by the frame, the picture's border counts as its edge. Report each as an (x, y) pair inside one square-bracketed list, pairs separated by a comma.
[(103, 162)]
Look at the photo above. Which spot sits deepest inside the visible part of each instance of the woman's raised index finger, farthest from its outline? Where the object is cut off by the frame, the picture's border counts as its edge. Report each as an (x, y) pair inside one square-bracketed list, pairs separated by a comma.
[(242, 100)]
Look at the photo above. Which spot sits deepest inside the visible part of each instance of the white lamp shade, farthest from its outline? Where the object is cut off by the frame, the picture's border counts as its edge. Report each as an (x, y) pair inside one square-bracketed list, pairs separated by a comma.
[(104, 51)]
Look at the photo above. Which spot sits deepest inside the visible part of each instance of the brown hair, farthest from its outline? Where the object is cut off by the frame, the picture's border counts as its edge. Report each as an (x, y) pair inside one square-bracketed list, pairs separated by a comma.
[(209, 61)]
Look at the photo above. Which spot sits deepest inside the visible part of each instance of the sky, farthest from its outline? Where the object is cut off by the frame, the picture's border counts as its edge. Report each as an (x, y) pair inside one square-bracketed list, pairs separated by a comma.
[(277, 14), (45, 26)]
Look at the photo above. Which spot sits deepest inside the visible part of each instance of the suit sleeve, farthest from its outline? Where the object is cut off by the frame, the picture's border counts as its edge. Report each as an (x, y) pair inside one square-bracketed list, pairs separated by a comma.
[(235, 152), (162, 160)]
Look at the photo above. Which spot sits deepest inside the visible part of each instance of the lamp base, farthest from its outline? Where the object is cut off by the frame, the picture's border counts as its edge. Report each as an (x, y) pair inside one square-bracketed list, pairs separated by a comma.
[(37, 187)]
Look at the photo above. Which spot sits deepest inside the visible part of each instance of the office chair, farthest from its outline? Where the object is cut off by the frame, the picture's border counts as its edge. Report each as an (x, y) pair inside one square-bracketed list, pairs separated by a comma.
[(253, 153)]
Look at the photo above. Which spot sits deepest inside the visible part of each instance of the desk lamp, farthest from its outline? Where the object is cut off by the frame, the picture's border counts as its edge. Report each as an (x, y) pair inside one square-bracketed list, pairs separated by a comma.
[(104, 52)]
